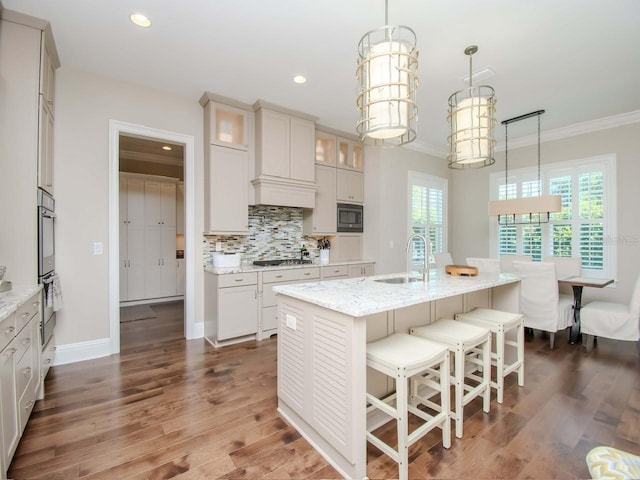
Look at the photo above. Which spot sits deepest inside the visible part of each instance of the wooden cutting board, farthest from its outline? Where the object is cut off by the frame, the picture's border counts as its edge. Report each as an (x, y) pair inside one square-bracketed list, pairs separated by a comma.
[(461, 270)]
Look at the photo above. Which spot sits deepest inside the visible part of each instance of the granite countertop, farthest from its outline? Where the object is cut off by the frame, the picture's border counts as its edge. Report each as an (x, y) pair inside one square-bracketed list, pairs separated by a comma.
[(358, 297), (12, 299), (255, 268)]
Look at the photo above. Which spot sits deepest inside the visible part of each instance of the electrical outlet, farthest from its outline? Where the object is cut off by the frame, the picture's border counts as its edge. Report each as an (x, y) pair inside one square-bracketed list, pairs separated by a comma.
[(291, 321), (218, 246)]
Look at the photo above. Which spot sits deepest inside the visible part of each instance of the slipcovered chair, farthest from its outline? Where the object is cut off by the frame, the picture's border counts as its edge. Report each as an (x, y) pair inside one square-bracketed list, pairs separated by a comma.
[(540, 303), (566, 267), (442, 259), (506, 261), (487, 265), (612, 464), (612, 320)]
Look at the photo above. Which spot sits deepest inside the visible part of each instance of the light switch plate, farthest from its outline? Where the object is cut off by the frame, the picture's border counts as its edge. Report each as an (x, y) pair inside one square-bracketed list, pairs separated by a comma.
[(97, 248), (291, 321)]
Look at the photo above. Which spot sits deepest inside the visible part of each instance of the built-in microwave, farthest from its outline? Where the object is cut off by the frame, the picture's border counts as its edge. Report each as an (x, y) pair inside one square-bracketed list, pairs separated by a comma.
[(350, 217)]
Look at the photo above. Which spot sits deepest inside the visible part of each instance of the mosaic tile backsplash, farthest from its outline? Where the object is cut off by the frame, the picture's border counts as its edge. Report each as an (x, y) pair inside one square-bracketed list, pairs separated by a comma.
[(274, 232)]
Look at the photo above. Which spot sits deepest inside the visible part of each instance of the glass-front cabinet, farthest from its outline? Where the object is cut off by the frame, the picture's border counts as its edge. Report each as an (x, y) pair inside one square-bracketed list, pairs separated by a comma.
[(325, 149), (229, 126), (350, 155)]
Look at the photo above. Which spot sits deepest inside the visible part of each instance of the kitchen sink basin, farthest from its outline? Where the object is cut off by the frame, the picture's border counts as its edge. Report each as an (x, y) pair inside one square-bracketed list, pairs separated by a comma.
[(399, 280)]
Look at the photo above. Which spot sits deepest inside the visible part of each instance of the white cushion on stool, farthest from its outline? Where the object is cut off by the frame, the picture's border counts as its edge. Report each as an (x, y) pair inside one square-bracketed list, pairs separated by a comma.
[(451, 332), (494, 317), (401, 350)]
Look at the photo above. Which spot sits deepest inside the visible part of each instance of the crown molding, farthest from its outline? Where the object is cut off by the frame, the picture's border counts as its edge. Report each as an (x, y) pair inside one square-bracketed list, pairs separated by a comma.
[(574, 130), (427, 148), (547, 136)]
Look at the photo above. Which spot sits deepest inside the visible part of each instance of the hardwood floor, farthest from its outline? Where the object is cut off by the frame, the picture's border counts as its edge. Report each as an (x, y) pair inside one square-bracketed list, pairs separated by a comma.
[(170, 408)]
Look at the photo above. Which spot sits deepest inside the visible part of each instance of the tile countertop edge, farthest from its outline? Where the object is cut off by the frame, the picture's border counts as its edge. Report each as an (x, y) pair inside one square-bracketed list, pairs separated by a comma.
[(358, 297), (256, 268), (12, 299)]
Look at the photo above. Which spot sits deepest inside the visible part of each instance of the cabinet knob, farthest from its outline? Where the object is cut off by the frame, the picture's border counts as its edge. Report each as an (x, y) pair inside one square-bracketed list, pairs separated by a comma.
[(47, 361), (26, 314), (28, 405), (10, 330), (239, 280), (27, 371)]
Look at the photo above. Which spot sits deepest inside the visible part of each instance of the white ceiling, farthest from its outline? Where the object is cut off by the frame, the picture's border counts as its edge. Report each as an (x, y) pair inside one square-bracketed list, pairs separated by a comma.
[(577, 59)]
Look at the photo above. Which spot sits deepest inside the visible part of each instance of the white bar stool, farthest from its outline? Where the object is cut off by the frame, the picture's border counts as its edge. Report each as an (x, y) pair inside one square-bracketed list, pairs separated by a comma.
[(500, 323), (462, 339), (401, 356)]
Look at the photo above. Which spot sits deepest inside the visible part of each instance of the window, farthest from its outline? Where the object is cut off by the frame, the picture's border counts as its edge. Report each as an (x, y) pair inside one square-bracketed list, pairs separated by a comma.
[(584, 225), (427, 214)]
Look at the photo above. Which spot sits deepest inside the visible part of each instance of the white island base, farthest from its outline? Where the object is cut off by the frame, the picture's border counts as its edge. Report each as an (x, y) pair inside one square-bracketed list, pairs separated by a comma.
[(323, 331)]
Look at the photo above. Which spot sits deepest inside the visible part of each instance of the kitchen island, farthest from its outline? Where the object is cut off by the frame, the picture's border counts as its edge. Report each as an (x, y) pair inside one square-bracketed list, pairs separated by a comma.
[(323, 329)]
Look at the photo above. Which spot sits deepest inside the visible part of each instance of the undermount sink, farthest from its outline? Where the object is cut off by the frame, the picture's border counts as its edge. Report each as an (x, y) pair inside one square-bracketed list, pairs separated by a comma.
[(399, 280)]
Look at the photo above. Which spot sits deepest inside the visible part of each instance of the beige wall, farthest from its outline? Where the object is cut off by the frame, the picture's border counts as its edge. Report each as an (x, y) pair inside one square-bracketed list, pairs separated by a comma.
[(469, 227), (386, 204), (84, 105)]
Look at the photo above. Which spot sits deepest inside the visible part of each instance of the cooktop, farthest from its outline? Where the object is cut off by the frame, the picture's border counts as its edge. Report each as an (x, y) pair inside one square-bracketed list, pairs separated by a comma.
[(287, 261)]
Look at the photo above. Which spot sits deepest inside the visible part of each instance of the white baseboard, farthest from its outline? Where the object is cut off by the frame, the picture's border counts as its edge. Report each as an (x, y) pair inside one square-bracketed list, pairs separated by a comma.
[(78, 352)]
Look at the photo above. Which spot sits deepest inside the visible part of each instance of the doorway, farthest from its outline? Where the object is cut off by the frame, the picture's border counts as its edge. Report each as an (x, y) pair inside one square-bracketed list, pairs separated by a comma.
[(146, 137)]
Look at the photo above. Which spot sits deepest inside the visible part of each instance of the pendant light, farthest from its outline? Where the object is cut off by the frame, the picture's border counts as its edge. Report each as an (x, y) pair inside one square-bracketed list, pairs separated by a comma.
[(524, 210), (387, 70), (471, 120)]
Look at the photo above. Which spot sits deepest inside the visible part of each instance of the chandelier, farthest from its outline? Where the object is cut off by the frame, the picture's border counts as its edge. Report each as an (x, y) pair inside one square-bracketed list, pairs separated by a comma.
[(471, 120), (387, 70)]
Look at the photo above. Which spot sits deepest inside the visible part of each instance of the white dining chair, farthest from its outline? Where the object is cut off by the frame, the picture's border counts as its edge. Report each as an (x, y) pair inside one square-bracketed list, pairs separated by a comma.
[(566, 267), (486, 265), (442, 259), (506, 261), (540, 303), (616, 321)]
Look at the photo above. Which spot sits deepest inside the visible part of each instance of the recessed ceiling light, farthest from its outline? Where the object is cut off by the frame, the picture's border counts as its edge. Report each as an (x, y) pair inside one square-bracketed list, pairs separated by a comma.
[(300, 79), (166, 147), (140, 20)]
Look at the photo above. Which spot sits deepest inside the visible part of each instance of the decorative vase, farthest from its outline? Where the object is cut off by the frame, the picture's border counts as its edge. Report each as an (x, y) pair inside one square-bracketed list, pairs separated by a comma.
[(324, 256)]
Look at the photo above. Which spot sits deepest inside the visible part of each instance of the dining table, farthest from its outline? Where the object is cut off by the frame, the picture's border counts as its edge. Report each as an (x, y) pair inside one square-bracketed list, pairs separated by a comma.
[(577, 284)]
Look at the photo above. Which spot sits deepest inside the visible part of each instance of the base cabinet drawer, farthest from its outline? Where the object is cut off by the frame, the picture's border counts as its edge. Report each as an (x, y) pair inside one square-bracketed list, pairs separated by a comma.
[(48, 356)]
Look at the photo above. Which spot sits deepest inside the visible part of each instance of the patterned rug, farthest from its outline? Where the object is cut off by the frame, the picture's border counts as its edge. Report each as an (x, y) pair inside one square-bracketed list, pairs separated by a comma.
[(135, 312)]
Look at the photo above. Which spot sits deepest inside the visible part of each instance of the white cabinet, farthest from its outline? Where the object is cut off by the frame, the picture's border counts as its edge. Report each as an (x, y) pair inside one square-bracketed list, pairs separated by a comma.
[(20, 373), (334, 272), (346, 247), (350, 154), (325, 149), (180, 277), (228, 167), (22, 39), (180, 208), (231, 307), (132, 245), (361, 270), (285, 145), (285, 151), (147, 237), (349, 186), (322, 219), (228, 192), (270, 279)]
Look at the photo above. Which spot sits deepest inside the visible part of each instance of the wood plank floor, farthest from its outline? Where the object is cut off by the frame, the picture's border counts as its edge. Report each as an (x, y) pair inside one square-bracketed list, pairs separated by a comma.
[(170, 408)]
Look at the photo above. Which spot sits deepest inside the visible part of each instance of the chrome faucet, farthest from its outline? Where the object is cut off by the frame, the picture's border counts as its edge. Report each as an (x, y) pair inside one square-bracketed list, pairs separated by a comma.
[(425, 270)]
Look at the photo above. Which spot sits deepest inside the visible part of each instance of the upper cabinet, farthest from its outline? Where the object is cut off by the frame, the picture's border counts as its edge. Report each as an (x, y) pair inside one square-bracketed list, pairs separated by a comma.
[(229, 155), (350, 154), (325, 149), (285, 153)]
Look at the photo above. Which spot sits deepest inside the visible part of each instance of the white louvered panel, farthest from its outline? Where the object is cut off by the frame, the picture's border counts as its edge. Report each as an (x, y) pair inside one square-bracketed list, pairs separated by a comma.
[(291, 360), (332, 375)]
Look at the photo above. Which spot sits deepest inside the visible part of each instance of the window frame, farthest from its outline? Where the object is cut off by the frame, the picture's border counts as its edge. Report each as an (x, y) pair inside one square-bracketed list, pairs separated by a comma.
[(604, 163), (434, 182)]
